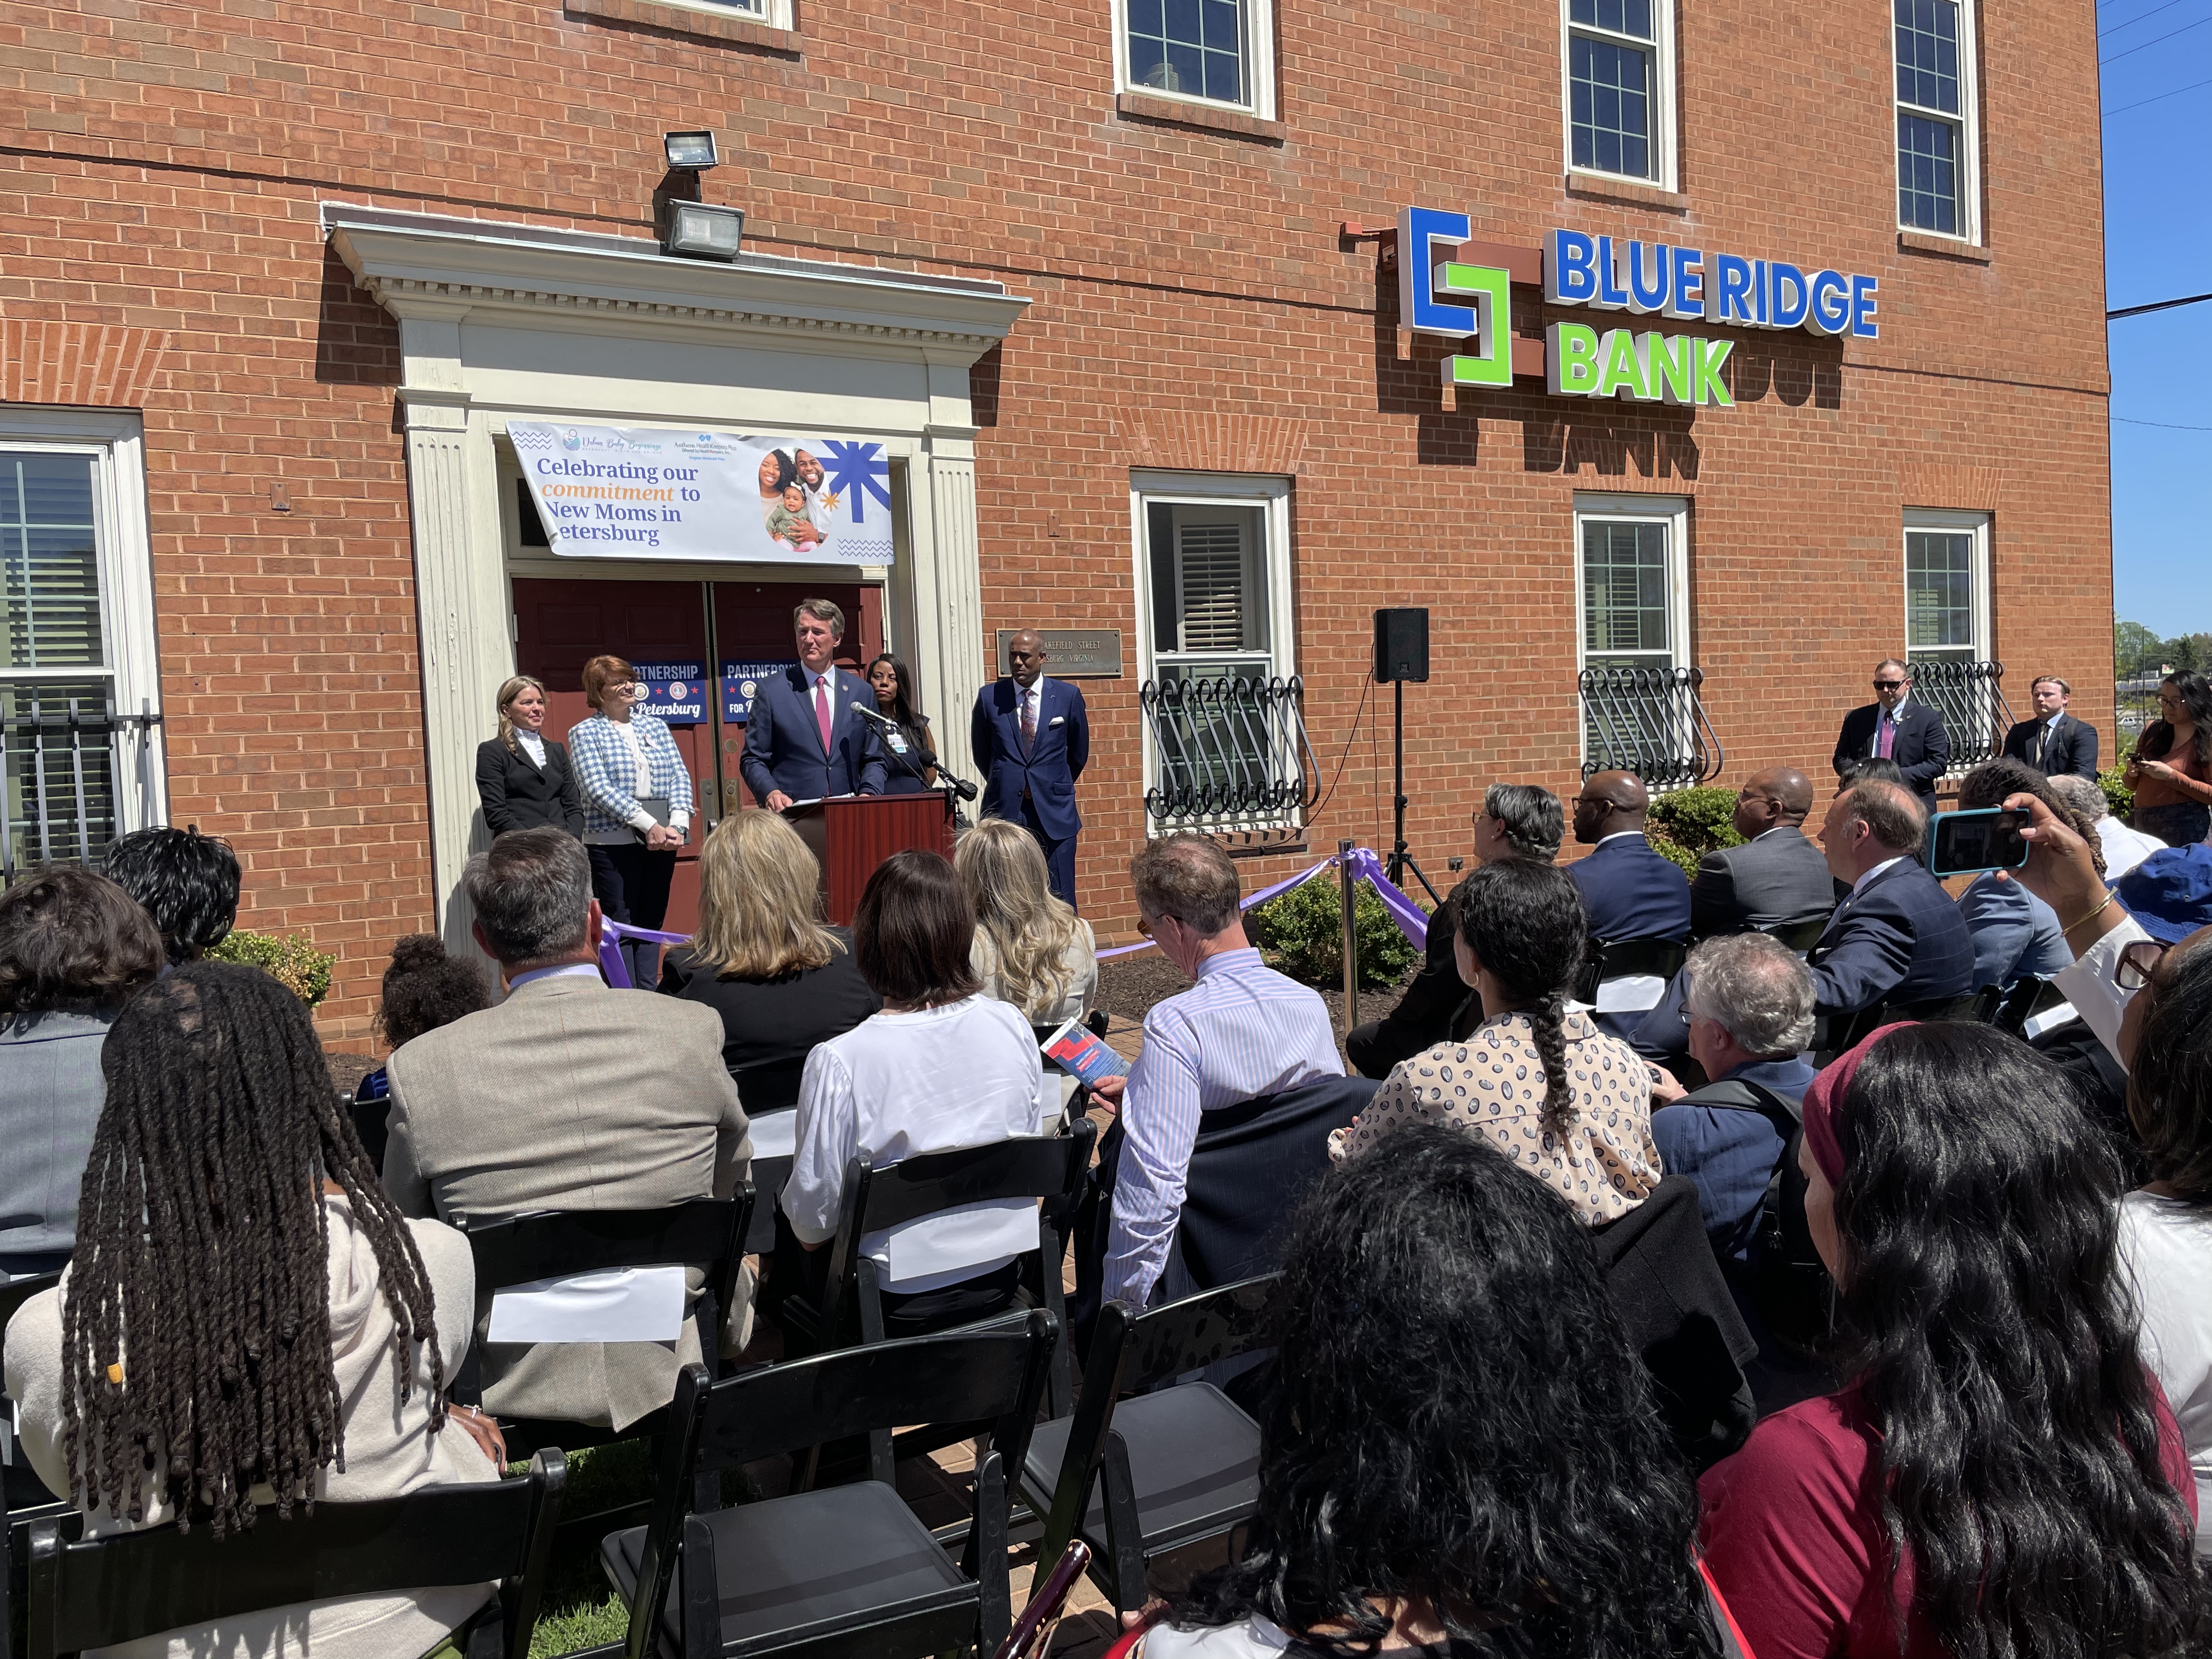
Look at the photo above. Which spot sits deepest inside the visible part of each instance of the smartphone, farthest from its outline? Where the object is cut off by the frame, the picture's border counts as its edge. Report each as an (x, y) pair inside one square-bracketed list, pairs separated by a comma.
[(1987, 838), (1027, 1639)]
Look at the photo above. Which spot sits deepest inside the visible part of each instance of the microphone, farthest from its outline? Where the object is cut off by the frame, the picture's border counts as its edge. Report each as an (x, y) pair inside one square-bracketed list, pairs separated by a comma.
[(959, 787), (875, 714)]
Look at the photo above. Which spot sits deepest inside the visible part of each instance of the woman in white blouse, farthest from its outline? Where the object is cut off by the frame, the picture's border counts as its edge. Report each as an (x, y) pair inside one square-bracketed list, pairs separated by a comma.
[(942, 1066), (637, 805)]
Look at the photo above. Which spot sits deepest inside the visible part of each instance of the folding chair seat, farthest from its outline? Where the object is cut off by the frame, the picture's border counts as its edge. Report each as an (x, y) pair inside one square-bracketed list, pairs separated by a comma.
[(1798, 936)]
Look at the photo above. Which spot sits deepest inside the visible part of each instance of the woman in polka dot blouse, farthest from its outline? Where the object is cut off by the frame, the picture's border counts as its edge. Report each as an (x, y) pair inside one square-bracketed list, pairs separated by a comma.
[(1565, 1102)]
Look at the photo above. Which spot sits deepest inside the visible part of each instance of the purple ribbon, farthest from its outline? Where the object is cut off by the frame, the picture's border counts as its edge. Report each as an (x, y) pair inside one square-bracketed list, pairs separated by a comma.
[(611, 934), (1412, 920)]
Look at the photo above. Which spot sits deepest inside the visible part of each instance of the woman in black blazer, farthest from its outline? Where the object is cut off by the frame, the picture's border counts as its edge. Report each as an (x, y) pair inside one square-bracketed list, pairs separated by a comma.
[(523, 776)]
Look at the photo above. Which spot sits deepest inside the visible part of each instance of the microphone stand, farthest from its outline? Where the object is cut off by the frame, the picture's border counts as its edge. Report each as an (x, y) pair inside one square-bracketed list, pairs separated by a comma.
[(949, 780)]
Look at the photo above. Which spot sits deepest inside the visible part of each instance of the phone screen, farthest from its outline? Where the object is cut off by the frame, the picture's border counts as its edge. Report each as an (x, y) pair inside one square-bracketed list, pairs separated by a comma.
[(1986, 839)]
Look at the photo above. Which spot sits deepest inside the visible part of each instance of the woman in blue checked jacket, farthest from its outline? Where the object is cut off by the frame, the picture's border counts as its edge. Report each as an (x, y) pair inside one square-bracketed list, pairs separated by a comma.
[(637, 805)]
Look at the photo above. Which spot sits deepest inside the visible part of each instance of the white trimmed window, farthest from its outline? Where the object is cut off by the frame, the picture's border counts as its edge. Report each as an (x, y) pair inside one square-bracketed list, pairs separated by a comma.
[(1947, 587), (80, 694), (1631, 578), (777, 14), (1217, 53), (1938, 151), (1618, 66), (1213, 580)]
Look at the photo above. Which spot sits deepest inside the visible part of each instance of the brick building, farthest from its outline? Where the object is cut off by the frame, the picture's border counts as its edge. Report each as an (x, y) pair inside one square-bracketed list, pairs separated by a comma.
[(1099, 282)]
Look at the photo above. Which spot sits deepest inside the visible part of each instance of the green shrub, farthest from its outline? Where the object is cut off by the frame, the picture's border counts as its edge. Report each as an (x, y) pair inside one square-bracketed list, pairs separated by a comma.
[(1685, 825), (2119, 799), (1302, 934), (291, 960)]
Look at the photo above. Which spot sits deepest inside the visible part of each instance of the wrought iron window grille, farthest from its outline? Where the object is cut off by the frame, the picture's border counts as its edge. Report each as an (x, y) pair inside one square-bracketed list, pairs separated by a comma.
[(1229, 751), (1968, 696), (1649, 721), (54, 811)]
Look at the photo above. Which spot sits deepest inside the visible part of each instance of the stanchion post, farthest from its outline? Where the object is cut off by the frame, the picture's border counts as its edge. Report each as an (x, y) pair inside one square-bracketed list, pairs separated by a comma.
[(1345, 882)]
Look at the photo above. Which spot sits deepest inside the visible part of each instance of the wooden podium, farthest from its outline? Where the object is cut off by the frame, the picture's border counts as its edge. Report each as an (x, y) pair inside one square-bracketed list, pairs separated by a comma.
[(851, 835)]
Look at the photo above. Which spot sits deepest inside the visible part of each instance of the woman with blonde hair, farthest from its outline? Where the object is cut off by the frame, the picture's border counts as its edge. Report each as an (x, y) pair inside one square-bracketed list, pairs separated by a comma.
[(762, 958), (523, 776), (1031, 949)]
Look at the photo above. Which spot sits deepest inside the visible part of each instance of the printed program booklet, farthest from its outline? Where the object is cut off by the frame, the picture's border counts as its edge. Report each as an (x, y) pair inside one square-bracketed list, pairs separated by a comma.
[(1075, 1051)]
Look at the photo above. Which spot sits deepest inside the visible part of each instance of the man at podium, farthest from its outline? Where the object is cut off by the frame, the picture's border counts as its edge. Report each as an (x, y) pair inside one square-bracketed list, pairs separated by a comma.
[(803, 739)]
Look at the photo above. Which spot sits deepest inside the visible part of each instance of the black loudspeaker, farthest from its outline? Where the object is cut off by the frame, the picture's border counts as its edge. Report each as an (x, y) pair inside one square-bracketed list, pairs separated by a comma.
[(1401, 644)]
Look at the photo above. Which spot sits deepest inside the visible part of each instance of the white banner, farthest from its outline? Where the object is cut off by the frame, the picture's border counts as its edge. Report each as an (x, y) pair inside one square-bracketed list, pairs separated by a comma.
[(609, 492)]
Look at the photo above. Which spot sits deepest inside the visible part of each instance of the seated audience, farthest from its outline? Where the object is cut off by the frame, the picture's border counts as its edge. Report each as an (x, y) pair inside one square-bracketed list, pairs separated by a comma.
[(1031, 949), (941, 1066), (2001, 1473), (1517, 821), (1873, 769), (2166, 1227), (73, 949), (2016, 933), (1244, 1030), (2122, 846), (1776, 879), (762, 959), (290, 1336), (1463, 1454), (1897, 938), (187, 882), (1628, 890), (424, 988), (1750, 1004), (1569, 1104), (567, 1096)]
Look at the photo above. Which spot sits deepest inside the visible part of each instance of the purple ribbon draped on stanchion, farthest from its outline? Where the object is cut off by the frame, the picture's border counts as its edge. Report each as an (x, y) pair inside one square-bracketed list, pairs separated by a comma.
[(611, 934), (1412, 919)]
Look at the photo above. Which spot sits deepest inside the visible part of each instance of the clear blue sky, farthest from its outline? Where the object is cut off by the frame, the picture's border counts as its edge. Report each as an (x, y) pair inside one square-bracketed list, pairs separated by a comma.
[(2158, 245)]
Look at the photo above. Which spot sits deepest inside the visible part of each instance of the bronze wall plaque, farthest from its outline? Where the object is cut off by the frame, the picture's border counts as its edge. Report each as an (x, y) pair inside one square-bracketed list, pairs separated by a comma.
[(1073, 653)]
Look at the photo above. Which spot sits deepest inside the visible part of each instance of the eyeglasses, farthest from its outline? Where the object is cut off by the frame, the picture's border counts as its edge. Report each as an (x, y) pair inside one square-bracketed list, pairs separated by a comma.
[(1888, 685), (2139, 960)]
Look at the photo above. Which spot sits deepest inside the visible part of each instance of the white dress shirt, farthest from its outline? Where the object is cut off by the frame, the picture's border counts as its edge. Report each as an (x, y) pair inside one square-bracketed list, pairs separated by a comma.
[(1859, 886), (965, 1074), (2123, 847), (2091, 986), (1244, 1030), (533, 745)]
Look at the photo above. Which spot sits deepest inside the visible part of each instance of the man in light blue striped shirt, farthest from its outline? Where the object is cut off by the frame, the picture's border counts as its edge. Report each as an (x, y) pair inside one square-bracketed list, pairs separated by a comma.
[(1244, 1030)]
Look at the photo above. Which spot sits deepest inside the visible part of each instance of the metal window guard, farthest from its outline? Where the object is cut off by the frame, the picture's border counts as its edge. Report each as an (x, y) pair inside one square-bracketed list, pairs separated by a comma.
[(1228, 749), (1971, 703), (1649, 721), (78, 726)]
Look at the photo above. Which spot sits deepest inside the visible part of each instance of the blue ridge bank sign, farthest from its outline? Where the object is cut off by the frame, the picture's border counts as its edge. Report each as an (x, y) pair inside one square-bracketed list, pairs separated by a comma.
[(1471, 301)]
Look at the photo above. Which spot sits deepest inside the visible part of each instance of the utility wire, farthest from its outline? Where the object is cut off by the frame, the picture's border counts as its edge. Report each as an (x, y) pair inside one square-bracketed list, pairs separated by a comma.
[(2168, 425), (2160, 99), (2153, 42), (2156, 305), (2132, 21)]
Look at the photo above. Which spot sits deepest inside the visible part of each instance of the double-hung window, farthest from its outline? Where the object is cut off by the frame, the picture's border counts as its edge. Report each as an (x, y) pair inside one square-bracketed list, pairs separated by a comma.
[(1640, 710), (1211, 51), (1223, 741), (1620, 88), (79, 754), (1937, 160), (1946, 627)]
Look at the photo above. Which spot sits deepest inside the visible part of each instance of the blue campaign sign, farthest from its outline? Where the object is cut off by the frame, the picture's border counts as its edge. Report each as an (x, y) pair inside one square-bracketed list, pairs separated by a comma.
[(741, 684), (676, 691)]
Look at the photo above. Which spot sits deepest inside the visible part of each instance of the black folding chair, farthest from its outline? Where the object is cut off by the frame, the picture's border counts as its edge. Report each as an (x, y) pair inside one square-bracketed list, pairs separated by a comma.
[(1047, 1168), (846, 1571), (520, 1249), (1798, 936), (1619, 958), (21, 1490), (1837, 1033), (83, 1593), (1139, 1478)]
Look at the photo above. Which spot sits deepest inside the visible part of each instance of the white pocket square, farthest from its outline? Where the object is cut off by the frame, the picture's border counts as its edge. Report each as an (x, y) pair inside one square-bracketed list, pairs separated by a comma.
[(1057, 720)]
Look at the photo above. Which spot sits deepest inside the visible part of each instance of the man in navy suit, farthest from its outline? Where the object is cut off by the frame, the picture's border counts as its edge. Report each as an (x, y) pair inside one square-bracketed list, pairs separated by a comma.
[(803, 741), (1031, 739), (1628, 890), (1898, 937), (1897, 728), (2054, 743)]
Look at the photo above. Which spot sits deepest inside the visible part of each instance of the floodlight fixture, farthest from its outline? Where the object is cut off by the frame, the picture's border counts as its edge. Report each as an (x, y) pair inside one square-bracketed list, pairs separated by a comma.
[(700, 230), (690, 152)]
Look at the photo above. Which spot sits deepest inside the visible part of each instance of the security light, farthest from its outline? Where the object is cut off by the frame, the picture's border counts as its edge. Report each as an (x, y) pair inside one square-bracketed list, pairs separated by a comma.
[(690, 152), (696, 230)]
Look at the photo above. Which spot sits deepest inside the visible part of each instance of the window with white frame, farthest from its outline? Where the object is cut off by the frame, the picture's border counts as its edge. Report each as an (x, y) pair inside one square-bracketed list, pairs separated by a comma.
[(1632, 575), (1946, 627), (1619, 79), (777, 14), (1937, 156), (1212, 51), (1215, 647), (79, 694)]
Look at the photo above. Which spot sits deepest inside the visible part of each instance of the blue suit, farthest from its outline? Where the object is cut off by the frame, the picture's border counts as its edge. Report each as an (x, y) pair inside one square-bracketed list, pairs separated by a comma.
[(1729, 1151), (783, 740), (1035, 786), (1900, 939), (1629, 891), (2016, 933)]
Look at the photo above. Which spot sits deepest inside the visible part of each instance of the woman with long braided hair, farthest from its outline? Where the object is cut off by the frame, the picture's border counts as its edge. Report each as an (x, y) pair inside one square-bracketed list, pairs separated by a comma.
[(247, 1321), (1565, 1101)]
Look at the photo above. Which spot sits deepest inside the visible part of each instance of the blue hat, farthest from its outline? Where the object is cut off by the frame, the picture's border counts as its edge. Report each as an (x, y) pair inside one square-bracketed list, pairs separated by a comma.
[(2170, 892)]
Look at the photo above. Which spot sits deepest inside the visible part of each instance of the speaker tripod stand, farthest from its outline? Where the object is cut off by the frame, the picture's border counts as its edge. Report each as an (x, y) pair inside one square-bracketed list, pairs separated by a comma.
[(1402, 859)]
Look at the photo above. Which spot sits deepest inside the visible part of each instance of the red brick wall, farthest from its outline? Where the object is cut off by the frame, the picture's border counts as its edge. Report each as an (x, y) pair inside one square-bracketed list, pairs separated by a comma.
[(1191, 292)]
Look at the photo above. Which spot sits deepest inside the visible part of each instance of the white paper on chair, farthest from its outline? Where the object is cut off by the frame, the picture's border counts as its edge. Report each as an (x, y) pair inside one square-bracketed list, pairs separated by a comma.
[(2048, 1020), (775, 1134), (617, 1304), (1632, 994)]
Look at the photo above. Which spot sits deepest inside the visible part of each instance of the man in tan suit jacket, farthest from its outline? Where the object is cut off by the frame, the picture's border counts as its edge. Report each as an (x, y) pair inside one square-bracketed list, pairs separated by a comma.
[(567, 1096)]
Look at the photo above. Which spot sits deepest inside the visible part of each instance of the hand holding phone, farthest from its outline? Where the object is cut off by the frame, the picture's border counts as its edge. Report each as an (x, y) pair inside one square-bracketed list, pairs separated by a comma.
[(1984, 838)]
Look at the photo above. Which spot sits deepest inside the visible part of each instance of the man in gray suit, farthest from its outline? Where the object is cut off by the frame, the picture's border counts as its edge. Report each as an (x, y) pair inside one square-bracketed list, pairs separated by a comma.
[(567, 1096), (1776, 879)]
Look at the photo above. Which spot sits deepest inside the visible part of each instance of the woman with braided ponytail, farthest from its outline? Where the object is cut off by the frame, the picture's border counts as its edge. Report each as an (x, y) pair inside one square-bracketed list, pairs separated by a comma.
[(1565, 1102), (247, 1321)]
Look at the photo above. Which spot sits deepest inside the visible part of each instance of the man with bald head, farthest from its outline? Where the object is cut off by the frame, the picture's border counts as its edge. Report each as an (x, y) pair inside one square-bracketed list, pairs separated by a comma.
[(1031, 739), (1778, 879), (1629, 891), (1897, 938)]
